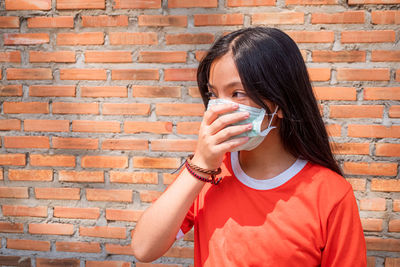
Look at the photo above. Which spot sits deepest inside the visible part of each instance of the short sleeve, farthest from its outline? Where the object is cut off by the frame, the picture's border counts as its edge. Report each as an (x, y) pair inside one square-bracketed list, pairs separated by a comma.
[(345, 244)]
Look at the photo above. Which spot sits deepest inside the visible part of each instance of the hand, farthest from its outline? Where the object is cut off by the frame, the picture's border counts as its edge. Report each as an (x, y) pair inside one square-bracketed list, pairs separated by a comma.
[(215, 134)]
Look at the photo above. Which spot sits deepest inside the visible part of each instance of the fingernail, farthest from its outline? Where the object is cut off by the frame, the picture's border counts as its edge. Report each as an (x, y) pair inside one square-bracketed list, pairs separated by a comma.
[(235, 105), (249, 126)]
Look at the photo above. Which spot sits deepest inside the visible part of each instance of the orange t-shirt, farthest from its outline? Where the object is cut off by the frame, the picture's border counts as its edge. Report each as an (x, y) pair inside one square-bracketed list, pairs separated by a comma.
[(305, 216)]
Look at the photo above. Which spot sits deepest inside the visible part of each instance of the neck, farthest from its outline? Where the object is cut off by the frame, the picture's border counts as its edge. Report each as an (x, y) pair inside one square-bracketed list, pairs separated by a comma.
[(268, 159)]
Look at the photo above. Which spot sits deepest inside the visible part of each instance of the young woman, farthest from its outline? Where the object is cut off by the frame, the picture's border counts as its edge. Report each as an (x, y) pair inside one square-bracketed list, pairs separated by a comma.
[(263, 188)]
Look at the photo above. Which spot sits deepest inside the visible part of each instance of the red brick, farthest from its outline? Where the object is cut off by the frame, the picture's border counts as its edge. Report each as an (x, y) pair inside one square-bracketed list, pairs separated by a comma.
[(133, 4), (277, 18), (378, 74), (42, 262), (135, 74), (82, 38), (156, 163), (51, 228), (162, 56), (52, 160), (75, 143), (10, 56), (133, 177), (11, 90), (119, 249), (338, 56), (392, 262), (370, 168), (391, 185), (356, 111), (26, 142), (30, 175), (123, 215), (9, 22), (385, 56), (12, 159), (111, 195), (311, 2), (76, 213), (372, 225), (162, 21), (149, 196), (125, 144), (387, 150), (382, 93), (180, 252), (29, 74), (192, 3), (335, 93), (373, 2), (218, 19), (357, 184), (396, 204), (81, 176), (25, 38), (58, 56), (173, 145), (104, 91), (394, 225), (25, 107), (83, 74), (385, 17), (10, 124), (24, 211), (103, 231), (199, 55), (244, 3), (133, 38), (57, 193), (105, 21), (312, 37), (373, 131), (108, 264), (394, 111), (81, 4), (75, 108), (46, 125), (351, 148), (373, 204), (7, 227), (319, 74), (14, 192), (188, 127), (52, 90), (376, 36), (104, 161), (81, 247), (180, 74), (158, 127), (168, 178), (96, 126), (189, 38), (28, 4), (126, 109), (23, 244), (380, 244), (51, 22), (347, 17), (179, 109), (108, 56), (156, 91)]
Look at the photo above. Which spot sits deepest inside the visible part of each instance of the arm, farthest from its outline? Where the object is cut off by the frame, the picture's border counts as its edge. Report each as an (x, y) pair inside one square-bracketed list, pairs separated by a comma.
[(157, 228)]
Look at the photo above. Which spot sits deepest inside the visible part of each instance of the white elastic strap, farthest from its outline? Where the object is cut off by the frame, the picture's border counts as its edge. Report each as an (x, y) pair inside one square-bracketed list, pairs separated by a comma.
[(269, 128)]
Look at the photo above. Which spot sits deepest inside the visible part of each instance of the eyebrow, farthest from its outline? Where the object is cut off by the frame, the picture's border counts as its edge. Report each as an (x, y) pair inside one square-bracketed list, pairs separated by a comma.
[(232, 84)]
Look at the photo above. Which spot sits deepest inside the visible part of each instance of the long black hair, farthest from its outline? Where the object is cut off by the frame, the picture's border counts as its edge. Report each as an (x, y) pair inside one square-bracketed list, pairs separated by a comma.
[(271, 68)]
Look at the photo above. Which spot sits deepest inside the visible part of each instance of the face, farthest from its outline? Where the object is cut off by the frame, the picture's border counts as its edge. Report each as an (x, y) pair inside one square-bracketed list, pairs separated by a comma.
[(225, 83)]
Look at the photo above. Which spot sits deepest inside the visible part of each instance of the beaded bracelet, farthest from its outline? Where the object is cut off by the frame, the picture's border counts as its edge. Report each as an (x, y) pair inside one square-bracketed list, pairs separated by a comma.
[(212, 180), (199, 169)]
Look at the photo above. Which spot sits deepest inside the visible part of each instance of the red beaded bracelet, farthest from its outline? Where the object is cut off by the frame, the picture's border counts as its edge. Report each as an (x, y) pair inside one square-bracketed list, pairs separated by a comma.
[(212, 180)]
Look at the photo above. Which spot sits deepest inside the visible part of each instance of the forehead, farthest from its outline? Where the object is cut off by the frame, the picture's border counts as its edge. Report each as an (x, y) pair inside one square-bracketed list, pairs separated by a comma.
[(223, 72)]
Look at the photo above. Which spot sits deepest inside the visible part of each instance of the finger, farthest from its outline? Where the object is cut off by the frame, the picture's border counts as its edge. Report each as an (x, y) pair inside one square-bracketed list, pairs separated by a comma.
[(231, 144), (215, 111), (225, 120), (231, 131)]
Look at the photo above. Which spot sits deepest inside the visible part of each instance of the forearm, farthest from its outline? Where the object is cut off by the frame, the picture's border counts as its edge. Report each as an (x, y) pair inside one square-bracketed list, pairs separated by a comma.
[(157, 228)]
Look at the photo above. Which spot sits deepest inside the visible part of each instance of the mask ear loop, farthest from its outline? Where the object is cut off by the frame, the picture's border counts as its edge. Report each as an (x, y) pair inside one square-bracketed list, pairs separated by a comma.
[(269, 128)]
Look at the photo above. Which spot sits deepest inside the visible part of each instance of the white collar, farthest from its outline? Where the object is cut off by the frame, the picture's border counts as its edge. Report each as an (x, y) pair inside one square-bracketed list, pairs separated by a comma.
[(266, 184)]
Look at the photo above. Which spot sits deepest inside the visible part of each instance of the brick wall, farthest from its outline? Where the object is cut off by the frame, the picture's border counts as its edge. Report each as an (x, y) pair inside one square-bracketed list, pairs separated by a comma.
[(99, 104)]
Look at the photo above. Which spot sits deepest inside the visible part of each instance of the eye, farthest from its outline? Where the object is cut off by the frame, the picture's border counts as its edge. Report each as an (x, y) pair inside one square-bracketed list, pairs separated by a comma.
[(239, 94), (210, 95)]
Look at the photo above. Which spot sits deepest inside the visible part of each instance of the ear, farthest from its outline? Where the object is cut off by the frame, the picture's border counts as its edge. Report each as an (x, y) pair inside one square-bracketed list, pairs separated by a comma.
[(280, 113)]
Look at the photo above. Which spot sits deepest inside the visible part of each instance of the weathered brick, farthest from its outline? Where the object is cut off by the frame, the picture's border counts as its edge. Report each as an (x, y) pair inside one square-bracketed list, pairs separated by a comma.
[(373, 204), (192, 3), (373, 2), (385, 56), (180, 74), (137, 4), (104, 91), (373, 131), (126, 109), (29, 74), (249, 3), (351, 148), (96, 126), (76, 213), (123, 215), (24, 211), (81, 4), (43, 262), (108, 57), (51, 22), (162, 56), (124, 144), (9, 22), (26, 142), (25, 38), (275, 18), (133, 177), (105, 21), (12, 159), (75, 108), (104, 161), (58, 56), (51, 228), (347, 17), (46, 125), (312, 37), (319, 74), (387, 150), (158, 127), (133, 38), (382, 93), (135, 74), (338, 56), (162, 21), (390, 185), (156, 163), (57, 193), (189, 38), (156, 91), (81, 176), (188, 127), (179, 109), (385, 17), (103, 231), (83, 74), (218, 19), (10, 56), (380, 244), (11, 90), (81, 247), (52, 160), (394, 111), (30, 175), (370, 168), (26, 107), (356, 111), (374, 36), (74, 143), (119, 249), (173, 145), (52, 90), (8, 227), (82, 38), (113, 195), (23, 244), (311, 2), (108, 264), (378, 74), (13, 192), (394, 225), (28, 4), (358, 184), (371, 224), (335, 93), (149, 196)]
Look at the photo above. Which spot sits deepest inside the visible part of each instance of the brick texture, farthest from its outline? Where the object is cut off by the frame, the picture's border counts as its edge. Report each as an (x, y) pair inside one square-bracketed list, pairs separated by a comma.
[(99, 104)]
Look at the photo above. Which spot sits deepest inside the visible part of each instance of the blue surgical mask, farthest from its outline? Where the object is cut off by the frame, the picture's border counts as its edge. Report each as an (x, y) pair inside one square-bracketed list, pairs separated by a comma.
[(256, 135)]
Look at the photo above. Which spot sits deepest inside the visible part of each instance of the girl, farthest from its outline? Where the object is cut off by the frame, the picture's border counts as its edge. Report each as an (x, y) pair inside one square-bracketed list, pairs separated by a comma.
[(263, 188)]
